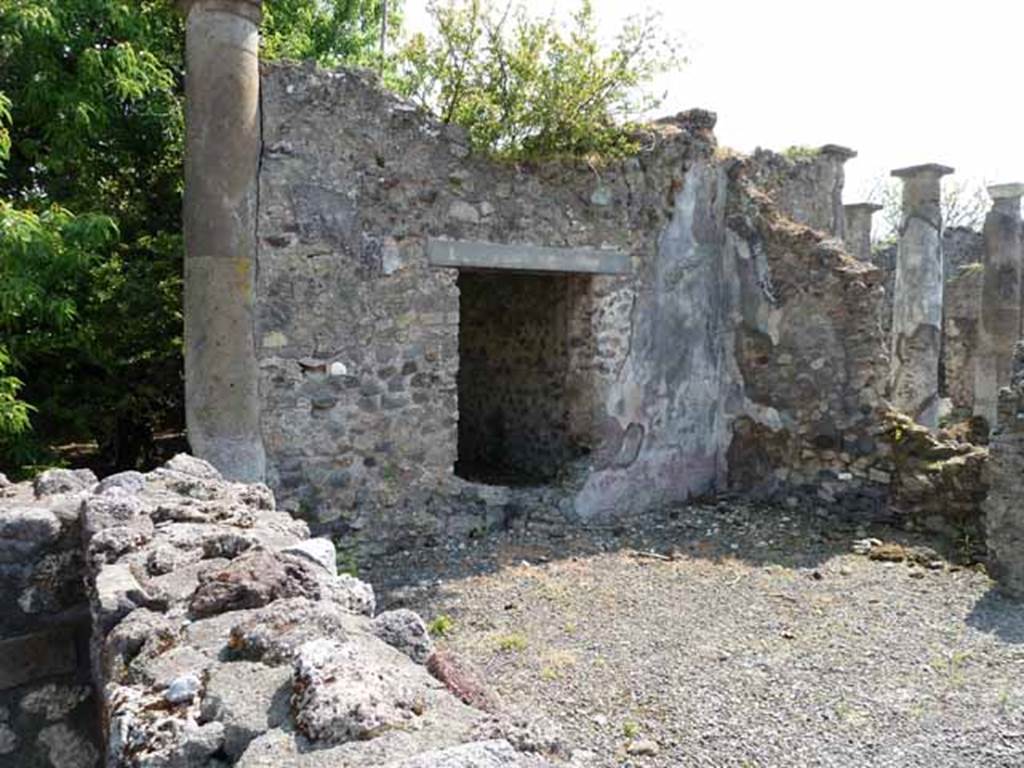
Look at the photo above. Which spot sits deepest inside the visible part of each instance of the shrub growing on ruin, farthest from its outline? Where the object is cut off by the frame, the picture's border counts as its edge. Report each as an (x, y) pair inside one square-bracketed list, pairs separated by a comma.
[(527, 88)]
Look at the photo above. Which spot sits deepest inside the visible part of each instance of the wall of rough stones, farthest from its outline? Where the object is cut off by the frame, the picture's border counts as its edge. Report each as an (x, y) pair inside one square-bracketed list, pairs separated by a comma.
[(1004, 512), (806, 184), (359, 336), (810, 357), (48, 713), (219, 634), (961, 318), (735, 320)]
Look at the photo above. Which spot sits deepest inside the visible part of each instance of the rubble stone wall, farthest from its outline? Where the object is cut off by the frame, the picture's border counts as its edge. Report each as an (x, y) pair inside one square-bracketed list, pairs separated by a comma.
[(806, 184), (359, 336), (48, 713), (811, 361), (736, 310), (218, 634), (1004, 509), (961, 318)]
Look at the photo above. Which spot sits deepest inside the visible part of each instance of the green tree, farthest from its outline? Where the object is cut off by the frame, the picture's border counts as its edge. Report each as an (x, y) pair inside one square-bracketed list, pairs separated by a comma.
[(527, 88), (91, 127)]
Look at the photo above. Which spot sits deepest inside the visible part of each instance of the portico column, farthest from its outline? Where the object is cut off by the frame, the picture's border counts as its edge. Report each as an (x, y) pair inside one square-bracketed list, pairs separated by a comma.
[(222, 149), (1000, 298), (917, 296), (858, 228)]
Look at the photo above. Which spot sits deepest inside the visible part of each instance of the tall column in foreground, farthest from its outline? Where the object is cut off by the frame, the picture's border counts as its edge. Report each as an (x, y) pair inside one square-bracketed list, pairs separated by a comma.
[(858, 228), (222, 148), (917, 296), (1000, 299)]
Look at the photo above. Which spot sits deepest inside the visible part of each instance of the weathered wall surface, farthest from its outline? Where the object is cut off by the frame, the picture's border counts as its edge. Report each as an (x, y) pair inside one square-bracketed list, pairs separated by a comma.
[(810, 356), (358, 335), (961, 247), (48, 713), (751, 320), (1004, 507), (221, 635), (806, 184), (961, 316)]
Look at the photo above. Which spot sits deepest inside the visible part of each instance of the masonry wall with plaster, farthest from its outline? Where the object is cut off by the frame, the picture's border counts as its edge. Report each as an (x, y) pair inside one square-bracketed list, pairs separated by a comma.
[(447, 343)]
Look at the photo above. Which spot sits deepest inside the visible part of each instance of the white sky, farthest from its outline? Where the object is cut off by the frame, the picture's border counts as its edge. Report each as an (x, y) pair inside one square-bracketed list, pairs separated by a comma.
[(901, 81)]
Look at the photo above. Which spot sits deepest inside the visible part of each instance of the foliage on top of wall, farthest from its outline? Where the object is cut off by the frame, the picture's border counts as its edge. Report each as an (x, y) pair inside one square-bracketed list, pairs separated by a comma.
[(527, 88)]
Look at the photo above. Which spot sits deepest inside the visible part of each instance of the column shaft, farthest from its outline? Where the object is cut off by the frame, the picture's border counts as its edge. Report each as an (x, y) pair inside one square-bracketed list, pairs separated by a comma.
[(858, 229), (917, 296), (1000, 299), (222, 150)]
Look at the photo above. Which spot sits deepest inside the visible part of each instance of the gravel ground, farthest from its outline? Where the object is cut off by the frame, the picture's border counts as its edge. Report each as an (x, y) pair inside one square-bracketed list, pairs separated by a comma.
[(735, 635)]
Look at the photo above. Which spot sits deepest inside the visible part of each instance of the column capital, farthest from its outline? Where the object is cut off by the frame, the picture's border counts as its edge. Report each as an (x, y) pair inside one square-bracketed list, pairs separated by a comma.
[(1006, 191), (925, 170), (837, 151), (247, 9)]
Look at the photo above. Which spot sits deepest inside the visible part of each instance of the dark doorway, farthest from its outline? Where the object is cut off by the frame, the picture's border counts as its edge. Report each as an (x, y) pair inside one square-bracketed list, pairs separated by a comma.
[(520, 392)]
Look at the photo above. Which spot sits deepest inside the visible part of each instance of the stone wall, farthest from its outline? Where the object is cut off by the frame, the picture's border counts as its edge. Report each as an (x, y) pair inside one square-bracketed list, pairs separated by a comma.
[(48, 713), (810, 357), (961, 247), (806, 184), (359, 335), (1004, 511), (730, 313), (219, 634), (961, 318)]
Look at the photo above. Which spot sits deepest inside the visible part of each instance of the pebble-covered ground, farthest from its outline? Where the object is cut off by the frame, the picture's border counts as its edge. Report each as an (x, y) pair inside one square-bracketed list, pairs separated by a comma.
[(736, 635)]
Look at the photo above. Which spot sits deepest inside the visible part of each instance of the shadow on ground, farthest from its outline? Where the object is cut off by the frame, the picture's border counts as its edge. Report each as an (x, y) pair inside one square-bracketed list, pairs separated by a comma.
[(996, 614), (725, 530)]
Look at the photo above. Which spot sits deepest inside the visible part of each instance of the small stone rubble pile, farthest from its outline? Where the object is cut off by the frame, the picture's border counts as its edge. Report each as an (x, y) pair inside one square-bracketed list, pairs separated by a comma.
[(222, 635)]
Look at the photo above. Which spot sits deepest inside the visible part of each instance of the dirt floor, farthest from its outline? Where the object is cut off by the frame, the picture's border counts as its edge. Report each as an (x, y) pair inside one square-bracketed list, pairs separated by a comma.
[(735, 635)]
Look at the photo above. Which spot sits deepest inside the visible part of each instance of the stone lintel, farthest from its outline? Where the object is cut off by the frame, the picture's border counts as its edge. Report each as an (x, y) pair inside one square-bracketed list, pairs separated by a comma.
[(526, 258), (927, 169), (1006, 191), (247, 9), (868, 208), (836, 150)]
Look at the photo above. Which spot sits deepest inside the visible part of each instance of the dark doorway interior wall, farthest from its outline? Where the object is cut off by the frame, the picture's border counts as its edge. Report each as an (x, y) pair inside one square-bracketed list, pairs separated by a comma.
[(519, 335)]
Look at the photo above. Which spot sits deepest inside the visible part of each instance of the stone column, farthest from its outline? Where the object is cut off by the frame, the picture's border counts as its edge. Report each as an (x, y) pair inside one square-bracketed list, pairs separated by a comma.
[(222, 149), (1000, 299), (858, 228), (838, 156), (917, 296)]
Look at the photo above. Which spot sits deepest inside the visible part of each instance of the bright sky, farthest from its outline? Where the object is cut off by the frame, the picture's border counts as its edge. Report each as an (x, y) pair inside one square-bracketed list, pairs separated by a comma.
[(901, 81)]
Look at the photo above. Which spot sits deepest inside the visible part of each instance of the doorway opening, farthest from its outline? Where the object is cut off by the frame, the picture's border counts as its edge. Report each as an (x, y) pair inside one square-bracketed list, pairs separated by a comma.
[(525, 375)]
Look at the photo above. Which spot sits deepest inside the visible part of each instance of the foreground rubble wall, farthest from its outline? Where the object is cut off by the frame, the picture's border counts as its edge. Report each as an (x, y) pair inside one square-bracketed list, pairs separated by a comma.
[(219, 634), (48, 711)]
